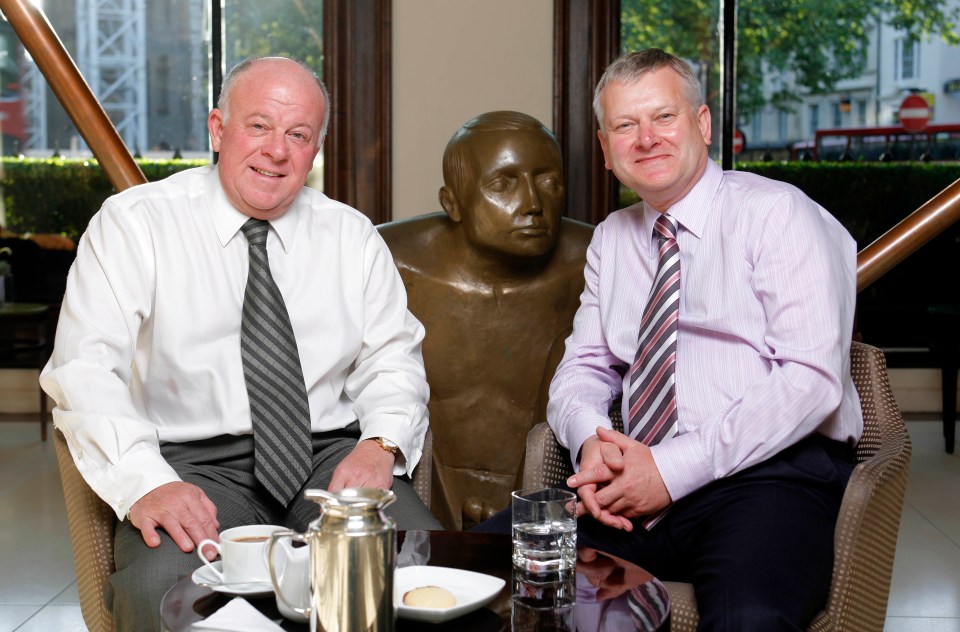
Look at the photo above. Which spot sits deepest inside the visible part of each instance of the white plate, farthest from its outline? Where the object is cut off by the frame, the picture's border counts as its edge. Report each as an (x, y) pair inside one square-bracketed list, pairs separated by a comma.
[(203, 576), (471, 590)]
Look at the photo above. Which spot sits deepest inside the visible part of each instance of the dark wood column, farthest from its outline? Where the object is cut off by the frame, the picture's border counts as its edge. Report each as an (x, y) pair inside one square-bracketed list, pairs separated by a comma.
[(357, 71), (586, 40)]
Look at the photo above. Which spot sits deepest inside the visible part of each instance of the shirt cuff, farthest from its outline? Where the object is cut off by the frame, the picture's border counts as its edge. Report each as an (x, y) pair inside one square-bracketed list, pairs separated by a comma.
[(121, 486), (581, 429), (683, 466), (400, 432)]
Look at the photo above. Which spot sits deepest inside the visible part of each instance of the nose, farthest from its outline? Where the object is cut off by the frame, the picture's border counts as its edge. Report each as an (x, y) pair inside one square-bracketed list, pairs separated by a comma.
[(530, 202), (275, 146), (646, 137)]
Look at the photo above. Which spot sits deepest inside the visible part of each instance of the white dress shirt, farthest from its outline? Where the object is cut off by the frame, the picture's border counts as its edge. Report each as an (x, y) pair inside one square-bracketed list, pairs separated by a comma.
[(148, 343), (767, 294)]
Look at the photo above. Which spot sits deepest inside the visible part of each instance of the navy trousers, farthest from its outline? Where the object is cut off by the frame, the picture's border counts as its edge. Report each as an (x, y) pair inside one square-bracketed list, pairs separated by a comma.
[(757, 546)]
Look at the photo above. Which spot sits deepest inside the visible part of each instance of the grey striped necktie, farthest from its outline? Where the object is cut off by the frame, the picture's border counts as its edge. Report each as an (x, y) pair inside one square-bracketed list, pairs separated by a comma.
[(279, 407)]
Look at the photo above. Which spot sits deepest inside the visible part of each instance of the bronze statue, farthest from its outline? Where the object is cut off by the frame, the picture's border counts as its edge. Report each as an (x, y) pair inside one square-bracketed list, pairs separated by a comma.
[(496, 281)]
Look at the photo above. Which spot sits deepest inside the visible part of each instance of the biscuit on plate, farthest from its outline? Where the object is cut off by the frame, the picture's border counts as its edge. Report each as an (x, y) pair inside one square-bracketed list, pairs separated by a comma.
[(429, 597)]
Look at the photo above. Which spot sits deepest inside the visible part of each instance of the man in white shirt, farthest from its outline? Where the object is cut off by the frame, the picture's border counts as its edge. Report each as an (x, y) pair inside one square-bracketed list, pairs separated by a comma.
[(147, 370), (751, 402)]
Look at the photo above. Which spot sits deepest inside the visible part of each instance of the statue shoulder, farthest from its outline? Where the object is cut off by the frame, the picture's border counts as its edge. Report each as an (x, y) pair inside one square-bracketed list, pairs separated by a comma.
[(410, 238), (575, 238), (419, 244), (578, 231)]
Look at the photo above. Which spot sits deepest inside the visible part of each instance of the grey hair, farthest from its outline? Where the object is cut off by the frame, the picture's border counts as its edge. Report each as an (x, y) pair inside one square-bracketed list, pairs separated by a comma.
[(237, 71), (630, 67)]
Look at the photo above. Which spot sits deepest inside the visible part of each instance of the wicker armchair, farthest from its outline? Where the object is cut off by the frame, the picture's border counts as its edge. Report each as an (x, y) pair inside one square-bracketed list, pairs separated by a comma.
[(869, 520), (92, 524)]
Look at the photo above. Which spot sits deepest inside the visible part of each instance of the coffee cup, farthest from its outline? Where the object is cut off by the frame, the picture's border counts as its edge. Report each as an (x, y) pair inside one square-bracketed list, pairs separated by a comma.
[(243, 553)]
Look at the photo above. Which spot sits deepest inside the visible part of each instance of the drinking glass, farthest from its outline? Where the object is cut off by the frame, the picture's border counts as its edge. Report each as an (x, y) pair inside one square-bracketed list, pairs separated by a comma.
[(544, 530)]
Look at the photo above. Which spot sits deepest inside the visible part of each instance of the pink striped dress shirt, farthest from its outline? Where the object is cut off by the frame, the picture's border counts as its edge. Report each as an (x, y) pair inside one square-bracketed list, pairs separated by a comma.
[(768, 287)]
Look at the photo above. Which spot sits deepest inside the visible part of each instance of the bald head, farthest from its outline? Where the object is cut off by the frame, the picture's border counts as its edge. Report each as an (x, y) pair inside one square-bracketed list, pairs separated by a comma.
[(269, 65)]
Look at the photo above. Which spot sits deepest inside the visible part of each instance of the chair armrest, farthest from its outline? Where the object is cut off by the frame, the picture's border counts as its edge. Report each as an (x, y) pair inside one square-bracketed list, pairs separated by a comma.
[(546, 463), (423, 473), (92, 523), (865, 541), (869, 521)]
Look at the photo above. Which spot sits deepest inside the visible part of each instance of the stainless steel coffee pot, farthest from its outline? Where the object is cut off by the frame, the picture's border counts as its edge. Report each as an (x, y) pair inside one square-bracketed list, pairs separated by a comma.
[(352, 559)]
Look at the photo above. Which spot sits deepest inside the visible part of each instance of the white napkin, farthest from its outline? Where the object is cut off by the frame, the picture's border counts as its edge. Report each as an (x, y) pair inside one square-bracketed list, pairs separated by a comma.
[(237, 616)]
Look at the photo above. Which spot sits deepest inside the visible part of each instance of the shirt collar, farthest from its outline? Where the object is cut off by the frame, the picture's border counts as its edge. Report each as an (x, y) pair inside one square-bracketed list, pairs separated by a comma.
[(692, 210), (227, 219)]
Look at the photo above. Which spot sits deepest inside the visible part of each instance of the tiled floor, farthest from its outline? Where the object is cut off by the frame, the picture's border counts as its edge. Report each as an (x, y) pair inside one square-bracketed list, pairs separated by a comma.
[(38, 592)]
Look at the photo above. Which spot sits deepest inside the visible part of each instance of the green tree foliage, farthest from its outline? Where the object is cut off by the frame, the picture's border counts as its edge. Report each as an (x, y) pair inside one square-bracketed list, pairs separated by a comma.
[(290, 28), (809, 44)]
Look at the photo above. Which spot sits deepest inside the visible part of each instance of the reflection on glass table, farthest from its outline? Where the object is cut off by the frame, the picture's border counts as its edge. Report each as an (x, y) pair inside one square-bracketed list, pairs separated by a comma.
[(605, 592)]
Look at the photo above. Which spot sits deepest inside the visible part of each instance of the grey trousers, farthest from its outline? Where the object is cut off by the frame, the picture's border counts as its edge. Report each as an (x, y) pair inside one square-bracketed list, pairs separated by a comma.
[(223, 468)]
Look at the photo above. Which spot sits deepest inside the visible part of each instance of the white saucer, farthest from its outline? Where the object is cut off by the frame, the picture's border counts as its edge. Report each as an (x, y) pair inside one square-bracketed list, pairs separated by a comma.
[(471, 590), (203, 576)]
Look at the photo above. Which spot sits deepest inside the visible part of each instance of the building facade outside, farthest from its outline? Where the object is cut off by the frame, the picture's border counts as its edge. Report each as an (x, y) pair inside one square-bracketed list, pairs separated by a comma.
[(895, 68)]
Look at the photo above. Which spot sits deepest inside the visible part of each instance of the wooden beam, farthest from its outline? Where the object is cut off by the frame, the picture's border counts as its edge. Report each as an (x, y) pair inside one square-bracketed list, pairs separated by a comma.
[(908, 236)]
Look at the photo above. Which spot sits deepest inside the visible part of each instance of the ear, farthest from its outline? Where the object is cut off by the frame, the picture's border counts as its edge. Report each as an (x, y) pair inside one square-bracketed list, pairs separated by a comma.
[(215, 126), (704, 122), (603, 146), (449, 203)]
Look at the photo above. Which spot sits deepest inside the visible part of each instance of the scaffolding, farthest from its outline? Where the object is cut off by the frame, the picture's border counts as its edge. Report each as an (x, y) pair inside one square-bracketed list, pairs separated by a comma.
[(33, 87), (111, 54)]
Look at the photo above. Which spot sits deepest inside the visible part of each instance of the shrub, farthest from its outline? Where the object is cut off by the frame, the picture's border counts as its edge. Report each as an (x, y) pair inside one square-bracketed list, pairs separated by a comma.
[(60, 196)]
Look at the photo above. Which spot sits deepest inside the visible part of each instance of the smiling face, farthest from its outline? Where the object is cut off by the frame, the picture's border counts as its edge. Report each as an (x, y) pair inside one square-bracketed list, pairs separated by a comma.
[(512, 204), (654, 140), (270, 136)]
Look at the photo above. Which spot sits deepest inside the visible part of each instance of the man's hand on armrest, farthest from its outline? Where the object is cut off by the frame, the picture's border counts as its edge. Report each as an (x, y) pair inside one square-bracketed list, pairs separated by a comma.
[(182, 510)]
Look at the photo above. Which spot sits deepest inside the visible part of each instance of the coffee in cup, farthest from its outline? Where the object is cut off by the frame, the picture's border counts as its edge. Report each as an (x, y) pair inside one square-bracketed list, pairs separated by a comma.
[(243, 551)]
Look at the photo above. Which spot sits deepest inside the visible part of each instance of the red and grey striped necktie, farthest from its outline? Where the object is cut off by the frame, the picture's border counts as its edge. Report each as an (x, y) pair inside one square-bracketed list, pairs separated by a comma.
[(653, 397), (653, 401)]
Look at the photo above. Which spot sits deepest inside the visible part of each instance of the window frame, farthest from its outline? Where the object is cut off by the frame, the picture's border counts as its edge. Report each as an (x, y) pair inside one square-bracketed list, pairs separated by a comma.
[(901, 58), (586, 41), (357, 68)]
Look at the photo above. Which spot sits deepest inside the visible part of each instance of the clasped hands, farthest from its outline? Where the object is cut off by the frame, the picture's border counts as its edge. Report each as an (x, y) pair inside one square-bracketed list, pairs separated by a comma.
[(618, 480), (188, 516)]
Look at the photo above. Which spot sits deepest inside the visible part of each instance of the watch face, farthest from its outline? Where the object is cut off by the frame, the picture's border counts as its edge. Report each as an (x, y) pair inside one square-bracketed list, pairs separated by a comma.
[(387, 445)]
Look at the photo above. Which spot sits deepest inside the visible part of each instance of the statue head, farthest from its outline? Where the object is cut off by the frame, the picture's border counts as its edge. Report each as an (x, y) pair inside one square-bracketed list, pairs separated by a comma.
[(503, 182)]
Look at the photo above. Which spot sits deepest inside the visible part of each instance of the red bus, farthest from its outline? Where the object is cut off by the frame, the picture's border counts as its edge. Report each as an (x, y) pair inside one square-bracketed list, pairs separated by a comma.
[(12, 123), (936, 142)]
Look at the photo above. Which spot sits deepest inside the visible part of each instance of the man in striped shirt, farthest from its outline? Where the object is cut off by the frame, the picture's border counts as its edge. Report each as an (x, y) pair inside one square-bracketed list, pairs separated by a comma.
[(756, 414)]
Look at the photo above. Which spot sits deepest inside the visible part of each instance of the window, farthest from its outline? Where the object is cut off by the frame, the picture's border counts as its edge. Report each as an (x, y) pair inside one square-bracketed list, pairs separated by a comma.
[(814, 119), (861, 113), (149, 65), (152, 81), (837, 115), (691, 35), (907, 62), (288, 28), (782, 116)]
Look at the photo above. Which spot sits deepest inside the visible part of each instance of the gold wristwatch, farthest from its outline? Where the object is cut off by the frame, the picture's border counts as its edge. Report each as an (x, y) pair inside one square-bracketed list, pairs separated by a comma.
[(387, 445)]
